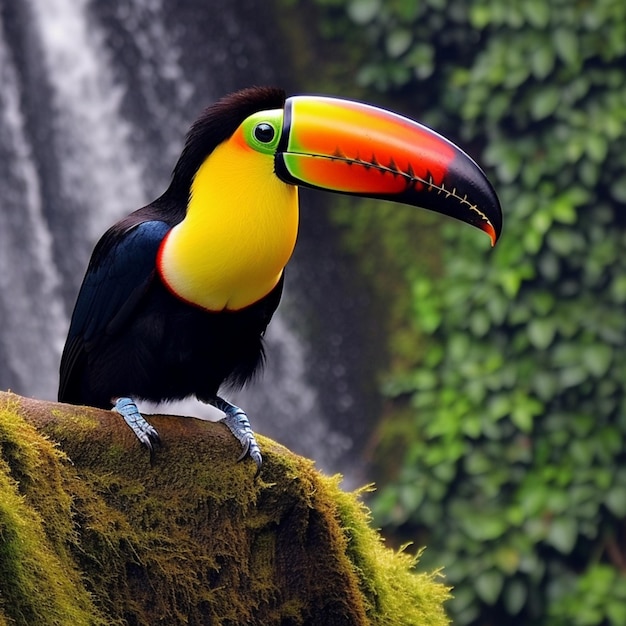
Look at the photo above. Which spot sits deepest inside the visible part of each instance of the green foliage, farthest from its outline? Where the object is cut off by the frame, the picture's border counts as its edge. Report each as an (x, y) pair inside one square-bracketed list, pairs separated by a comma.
[(512, 454)]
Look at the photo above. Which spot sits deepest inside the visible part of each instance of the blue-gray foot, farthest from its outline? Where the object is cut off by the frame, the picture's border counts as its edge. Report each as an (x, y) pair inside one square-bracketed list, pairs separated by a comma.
[(146, 433), (237, 422)]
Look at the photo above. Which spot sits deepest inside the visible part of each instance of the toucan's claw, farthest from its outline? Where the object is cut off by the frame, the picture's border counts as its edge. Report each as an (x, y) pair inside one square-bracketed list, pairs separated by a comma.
[(145, 432), (245, 451), (252, 450), (238, 423)]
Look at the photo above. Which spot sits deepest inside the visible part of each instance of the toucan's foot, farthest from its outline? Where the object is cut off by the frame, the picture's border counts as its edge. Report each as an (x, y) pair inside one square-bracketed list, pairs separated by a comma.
[(237, 422), (146, 433)]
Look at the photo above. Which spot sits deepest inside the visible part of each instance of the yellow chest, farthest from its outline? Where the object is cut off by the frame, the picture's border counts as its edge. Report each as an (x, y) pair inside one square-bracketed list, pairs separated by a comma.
[(239, 232)]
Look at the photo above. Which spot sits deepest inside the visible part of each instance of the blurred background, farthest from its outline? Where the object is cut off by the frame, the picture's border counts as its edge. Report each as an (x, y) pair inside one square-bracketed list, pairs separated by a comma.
[(481, 390)]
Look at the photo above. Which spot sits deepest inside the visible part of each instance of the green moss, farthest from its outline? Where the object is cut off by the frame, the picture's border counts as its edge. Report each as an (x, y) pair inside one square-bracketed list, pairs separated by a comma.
[(395, 593), (39, 584), (188, 539)]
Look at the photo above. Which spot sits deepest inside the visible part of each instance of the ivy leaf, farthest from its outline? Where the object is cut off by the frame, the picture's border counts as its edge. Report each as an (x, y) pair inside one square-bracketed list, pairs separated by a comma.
[(618, 189), (541, 332), (363, 11), (543, 302), (522, 415), (515, 595), (537, 12), (398, 42), (542, 61), (489, 585), (561, 241), (480, 15), (597, 147), (618, 289), (562, 534), (545, 102), (563, 209), (421, 58), (597, 359), (616, 609), (572, 376), (615, 500), (567, 46)]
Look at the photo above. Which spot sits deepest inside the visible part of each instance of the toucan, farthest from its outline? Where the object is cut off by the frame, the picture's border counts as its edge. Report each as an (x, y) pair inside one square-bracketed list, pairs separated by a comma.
[(177, 296)]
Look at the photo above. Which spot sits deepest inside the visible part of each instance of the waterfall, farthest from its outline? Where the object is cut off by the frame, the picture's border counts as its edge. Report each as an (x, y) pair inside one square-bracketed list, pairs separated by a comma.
[(31, 311), (96, 98)]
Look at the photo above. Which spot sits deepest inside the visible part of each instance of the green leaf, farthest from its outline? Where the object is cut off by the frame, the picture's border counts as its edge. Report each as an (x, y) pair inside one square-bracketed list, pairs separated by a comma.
[(567, 46), (542, 61), (544, 102), (567, 353), (522, 417), (489, 585), (508, 559), (562, 534), (618, 189), (408, 11), (615, 500), (545, 385), (597, 359), (597, 147), (477, 463), (480, 15), (572, 376), (363, 11), (541, 332), (421, 58), (541, 221), (542, 302), (532, 241), (618, 288), (410, 497), (482, 527), (563, 209), (616, 611), (479, 323), (537, 12), (499, 405), (463, 596), (398, 42), (425, 379), (515, 595), (561, 241), (510, 280)]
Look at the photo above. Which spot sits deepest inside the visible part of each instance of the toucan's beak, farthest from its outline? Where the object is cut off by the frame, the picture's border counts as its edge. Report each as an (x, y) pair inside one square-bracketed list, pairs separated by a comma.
[(354, 148)]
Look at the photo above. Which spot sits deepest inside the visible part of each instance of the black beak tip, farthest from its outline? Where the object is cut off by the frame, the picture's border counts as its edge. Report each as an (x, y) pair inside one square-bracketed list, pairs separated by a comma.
[(479, 204)]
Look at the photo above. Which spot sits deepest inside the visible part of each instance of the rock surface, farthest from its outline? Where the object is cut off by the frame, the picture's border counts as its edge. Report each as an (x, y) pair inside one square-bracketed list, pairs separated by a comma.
[(93, 532)]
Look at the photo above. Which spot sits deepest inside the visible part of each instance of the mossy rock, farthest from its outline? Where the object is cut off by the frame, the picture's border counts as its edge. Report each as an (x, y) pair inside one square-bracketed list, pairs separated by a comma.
[(92, 532)]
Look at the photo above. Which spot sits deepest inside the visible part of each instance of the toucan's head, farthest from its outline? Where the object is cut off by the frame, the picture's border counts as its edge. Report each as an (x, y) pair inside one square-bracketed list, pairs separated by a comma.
[(347, 147)]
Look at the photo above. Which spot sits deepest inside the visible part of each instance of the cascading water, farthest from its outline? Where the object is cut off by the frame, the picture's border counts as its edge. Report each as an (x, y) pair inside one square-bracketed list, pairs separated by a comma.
[(95, 100), (28, 274)]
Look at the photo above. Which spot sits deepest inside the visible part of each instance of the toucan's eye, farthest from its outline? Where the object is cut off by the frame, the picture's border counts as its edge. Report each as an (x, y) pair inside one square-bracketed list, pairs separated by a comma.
[(264, 132)]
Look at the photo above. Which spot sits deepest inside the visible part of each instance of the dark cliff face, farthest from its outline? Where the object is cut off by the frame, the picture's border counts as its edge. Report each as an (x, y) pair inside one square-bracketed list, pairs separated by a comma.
[(96, 100)]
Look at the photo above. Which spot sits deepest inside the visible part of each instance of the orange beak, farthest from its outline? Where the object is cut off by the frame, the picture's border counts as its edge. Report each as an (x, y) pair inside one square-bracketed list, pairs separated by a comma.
[(358, 149)]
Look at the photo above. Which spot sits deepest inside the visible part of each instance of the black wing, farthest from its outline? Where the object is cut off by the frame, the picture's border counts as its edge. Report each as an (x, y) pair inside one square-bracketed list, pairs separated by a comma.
[(121, 269)]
